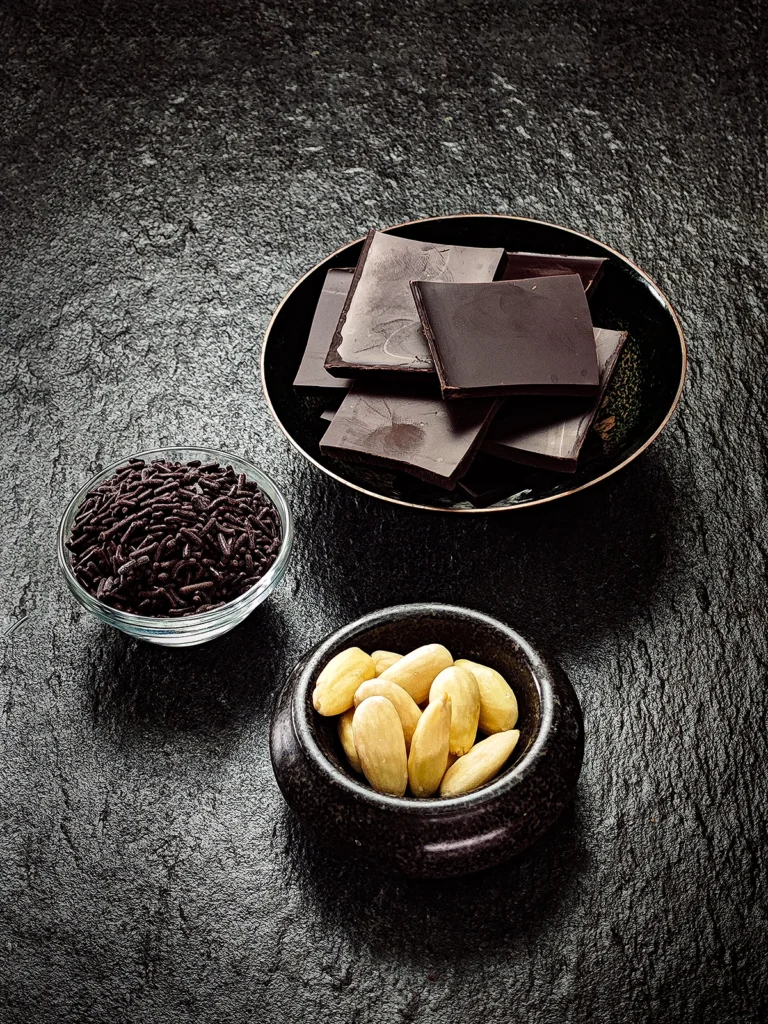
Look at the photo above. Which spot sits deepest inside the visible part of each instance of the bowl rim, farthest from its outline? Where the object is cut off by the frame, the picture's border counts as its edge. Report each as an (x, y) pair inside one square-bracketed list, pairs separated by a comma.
[(513, 776), (180, 623), (649, 282)]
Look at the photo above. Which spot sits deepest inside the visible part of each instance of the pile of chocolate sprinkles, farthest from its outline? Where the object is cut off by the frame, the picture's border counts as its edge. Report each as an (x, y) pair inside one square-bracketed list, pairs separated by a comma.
[(173, 538)]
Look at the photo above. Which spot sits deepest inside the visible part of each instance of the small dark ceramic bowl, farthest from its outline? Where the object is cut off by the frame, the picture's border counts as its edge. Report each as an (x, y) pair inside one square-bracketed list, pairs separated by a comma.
[(432, 838), (643, 393)]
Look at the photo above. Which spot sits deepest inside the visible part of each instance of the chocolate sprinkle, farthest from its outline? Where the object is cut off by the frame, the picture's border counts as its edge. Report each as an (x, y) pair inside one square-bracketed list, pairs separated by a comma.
[(173, 538)]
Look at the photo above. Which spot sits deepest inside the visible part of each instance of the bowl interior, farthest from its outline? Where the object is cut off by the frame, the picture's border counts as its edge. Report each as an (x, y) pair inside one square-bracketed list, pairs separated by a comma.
[(476, 640), (643, 392)]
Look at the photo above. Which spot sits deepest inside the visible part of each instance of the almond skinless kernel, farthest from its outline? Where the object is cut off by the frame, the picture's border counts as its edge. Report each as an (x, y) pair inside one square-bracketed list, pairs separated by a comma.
[(348, 740), (416, 671), (498, 704), (465, 705), (380, 745), (429, 747), (383, 659), (480, 764), (335, 687), (405, 706)]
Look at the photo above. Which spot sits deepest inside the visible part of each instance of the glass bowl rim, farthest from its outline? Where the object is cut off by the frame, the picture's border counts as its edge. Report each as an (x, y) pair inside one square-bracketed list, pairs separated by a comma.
[(188, 622)]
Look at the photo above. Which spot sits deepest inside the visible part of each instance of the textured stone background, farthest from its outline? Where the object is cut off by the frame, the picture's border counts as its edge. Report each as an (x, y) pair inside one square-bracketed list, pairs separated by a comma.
[(166, 171)]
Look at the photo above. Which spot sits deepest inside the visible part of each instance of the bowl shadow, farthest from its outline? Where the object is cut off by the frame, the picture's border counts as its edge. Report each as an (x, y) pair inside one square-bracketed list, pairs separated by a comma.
[(137, 688), (425, 923), (566, 574)]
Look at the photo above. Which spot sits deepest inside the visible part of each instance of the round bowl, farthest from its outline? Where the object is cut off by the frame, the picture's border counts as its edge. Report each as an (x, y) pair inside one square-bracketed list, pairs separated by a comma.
[(192, 629), (643, 394), (432, 838)]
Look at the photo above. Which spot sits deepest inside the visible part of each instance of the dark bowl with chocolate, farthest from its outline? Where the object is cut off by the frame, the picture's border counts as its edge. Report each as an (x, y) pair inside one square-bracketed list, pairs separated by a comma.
[(187, 626), (643, 392), (435, 837)]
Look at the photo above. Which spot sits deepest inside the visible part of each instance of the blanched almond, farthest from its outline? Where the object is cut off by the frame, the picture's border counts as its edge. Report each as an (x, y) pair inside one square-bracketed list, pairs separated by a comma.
[(335, 687), (348, 740), (383, 659), (481, 764), (498, 704), (416, 671), (405, 705), (465, 705), (380, 745), (429, 747)]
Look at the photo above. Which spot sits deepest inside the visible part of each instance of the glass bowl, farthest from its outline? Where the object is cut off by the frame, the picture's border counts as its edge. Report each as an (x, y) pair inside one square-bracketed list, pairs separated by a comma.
[(191, 629)]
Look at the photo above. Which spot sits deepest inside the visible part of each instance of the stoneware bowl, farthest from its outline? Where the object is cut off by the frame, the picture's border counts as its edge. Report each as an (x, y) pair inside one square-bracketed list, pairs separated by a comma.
[(643, 393), (432, 838)]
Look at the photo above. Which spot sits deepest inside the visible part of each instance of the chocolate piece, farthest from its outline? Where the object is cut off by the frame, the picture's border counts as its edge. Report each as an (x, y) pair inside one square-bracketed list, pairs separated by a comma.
[(530, 337), (548, 432), (520, 266), (312, 373), (417, 433), (489, 479), (379, 329)]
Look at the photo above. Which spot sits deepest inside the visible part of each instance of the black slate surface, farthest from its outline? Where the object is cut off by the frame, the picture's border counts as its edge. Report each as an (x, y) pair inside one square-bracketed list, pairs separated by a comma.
[(166, 172)]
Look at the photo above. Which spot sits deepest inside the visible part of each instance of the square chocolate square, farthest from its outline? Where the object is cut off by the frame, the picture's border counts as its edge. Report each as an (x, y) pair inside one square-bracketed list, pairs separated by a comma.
[(531, 337), (416, 432), (550, 432), (520, 266), (312, 373), (379, 330)]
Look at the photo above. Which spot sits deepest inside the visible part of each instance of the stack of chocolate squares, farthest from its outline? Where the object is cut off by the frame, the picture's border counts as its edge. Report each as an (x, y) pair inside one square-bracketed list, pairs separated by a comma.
[(445, 349)]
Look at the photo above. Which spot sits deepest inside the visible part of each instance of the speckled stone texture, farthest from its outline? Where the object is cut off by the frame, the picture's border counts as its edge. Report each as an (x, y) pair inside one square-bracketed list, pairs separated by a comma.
[(166, 172)]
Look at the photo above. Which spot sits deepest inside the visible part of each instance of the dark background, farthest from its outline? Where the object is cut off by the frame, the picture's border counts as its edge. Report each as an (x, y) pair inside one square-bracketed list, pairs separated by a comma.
[(166, 173)]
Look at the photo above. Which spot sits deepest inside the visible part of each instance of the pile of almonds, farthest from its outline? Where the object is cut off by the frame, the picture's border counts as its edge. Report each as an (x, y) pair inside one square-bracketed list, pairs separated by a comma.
[(413, 720)]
